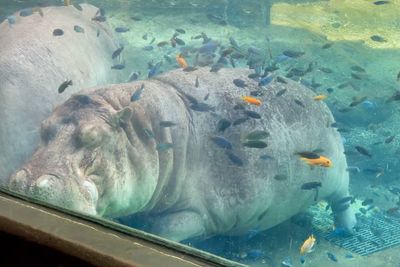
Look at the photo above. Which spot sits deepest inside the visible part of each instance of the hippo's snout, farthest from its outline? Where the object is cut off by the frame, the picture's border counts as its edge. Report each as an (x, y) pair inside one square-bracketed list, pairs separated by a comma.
[(19, 182)]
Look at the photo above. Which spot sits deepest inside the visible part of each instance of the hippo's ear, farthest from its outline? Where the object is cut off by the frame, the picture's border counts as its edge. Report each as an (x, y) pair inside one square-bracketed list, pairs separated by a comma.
[(122, 117)]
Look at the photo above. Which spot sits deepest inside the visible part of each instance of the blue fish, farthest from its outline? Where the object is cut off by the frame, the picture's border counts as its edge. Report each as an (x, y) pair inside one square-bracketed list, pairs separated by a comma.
[(265, 81), (122, 29), (222, 142), (331, 256), (11, 20), (136, 95), (154, 70)]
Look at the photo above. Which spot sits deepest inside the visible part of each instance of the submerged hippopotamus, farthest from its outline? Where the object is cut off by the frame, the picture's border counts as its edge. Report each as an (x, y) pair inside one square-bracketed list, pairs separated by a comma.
[(152, 147), (35, 60)]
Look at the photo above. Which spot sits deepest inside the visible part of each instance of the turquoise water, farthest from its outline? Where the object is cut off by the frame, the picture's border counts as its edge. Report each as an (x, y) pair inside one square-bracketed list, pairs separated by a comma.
[(347, 51)]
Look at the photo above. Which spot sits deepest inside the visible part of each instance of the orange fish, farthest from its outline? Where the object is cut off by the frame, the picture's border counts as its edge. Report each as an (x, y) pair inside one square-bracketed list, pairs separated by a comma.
[(252, 100), (181, 61), (321, 161), (319, 97), (308, 245)]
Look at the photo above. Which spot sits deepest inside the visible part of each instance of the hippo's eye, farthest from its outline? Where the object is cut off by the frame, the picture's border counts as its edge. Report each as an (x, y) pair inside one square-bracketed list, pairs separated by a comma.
[(91, 136)]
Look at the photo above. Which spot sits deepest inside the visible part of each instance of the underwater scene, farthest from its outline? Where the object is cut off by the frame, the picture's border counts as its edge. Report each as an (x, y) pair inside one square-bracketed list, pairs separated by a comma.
[(265, 132)]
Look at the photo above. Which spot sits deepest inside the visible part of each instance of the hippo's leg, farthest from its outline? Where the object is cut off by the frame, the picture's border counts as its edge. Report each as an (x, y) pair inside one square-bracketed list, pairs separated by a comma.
[(179, 226), (344, 216)]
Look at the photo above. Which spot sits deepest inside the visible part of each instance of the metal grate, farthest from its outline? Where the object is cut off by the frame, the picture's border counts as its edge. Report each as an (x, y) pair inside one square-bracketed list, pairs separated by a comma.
[(374, 232)]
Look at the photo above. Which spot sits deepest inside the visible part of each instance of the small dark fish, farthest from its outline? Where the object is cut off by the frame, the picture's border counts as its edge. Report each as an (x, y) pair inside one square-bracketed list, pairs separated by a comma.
[(223, 124), (64, 86), (378, 3), (154, 69), (148, 48), (222, 142), (281, 92), (378, 38), (179, 41), (117, 52), (58, 32), (327, 45), (136, 18), (389, 139), (182, 31), (280, 79), (329, 90), (252, 114), (367, 202), (239, 83), (311, 185), (254, 144), (167, 124), (78, 28), (363, 151), (99, 18), (257, 93), (356, 76), (197, 84), (326, 70), (280, 177), (216, 67), (298, 102), (148, 133), (145, 36), (257, 135), (136, 95), (164, 146), (239, 106), (234, 159), (201, 107), (266, 156), (293, 53), (162, 43), (133, 76), (122, 29), (331, 256), (189, 69), (308, 155), (206, 96), (357, 68), (118, 67), (97, 33), (240, 121), (265, 80)]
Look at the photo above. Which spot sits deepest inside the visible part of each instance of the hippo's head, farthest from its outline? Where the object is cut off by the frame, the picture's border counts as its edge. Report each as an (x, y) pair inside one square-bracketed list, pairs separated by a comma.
[(86, 160)]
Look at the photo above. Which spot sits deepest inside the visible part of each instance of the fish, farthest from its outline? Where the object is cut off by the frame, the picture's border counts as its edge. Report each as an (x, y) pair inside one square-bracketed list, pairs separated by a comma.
[(239, 106), (280, 79), (181, 61), (79, 29), (281, 92), (319, 97), (189, 69), (167, 124), (280, 177), (133, 76), (357, 101), (252, 114), (311, 185), (327, 45), (162, 43), (164, 146), (252, 100), (234, 159), (216, 67), (240, 121), (58, 32), (122, 29), (239, 83), (378, 3), (298, 102), (266, 156), (257, 93), (367, 202), (223, 124), (201, 107), (257, 135), (222, 142), (196, 83), (357, 68), (389, 139), (118, 67), (326, 70), (117, 52), (308, 155), (206, 96), (293, 53), (255, 144), (154, 69), (179, 41), (308, 245), (182, 31), (331, 256), (329, 90), (363, 151), (138, 93), (321, 161), (64, 86), (378, 38), (265, 80)]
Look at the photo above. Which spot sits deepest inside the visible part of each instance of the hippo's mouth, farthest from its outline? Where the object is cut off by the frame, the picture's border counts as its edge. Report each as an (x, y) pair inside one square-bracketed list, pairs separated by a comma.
[(51, 188)]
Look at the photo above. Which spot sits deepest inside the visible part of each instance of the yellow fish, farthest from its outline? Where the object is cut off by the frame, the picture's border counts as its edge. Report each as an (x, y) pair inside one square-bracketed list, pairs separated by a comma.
[(319, 97), (308, 245), (181, 61), (321, 161), (251, 100)]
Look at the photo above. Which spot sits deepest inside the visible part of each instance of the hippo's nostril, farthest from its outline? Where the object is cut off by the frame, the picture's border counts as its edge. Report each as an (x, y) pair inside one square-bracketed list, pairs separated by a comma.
[(19, 181)]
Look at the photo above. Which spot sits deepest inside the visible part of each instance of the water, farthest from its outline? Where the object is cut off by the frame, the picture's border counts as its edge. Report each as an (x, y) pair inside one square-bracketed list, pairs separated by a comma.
[(220, 197)]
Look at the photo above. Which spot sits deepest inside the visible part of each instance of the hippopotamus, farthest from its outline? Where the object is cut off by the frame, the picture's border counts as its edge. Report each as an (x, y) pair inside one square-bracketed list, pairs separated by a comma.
[(156, 148), (34, 62)]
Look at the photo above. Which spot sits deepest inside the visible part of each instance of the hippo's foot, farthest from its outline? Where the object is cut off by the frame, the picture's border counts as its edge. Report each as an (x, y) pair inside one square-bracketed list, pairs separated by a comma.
[(345, 219), (179, 226)]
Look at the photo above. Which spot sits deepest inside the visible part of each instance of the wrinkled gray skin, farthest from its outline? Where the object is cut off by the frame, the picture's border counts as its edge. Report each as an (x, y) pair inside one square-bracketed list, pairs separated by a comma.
[(33, 64), (96, 158)]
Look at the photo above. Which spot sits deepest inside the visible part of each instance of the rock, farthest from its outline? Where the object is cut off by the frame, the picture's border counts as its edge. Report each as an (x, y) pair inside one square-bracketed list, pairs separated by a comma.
[(100, 155)]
